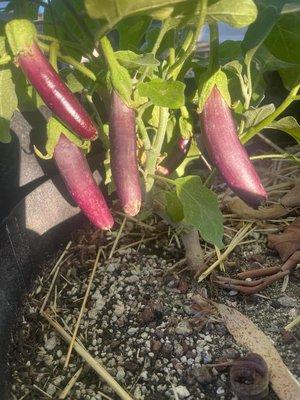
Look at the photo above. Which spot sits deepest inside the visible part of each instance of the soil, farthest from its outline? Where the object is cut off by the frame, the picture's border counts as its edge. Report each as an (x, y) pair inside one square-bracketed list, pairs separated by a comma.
[(140, 321)]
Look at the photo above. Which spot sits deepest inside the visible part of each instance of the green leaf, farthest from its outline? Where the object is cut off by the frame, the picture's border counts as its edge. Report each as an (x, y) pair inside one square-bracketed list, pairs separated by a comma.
[(290, 77), (131, 60), (253, 117), (113, 11), (174, 207), (259, 30), (288, 125), (131, 32), (153, 116), (235, 13), (283, 41), (163, 93), (267, 62), (230, 50), (258, 85), (67, 27), (8, 101), (185, 127), (200, 208)]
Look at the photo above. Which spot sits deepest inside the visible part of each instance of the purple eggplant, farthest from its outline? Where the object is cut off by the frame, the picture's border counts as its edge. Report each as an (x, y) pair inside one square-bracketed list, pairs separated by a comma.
[(37, 69), (226, 151), (175, 158), (123, 155), (79, 180)]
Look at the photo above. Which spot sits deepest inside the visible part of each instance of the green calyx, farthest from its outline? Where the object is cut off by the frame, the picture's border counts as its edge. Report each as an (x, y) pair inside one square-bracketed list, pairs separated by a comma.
[(21, 34), (206, 83), (54, 130)]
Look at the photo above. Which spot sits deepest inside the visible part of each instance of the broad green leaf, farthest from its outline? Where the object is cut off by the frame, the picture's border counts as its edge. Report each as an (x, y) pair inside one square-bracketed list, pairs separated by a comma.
[(290, 77), (259, 30), (154, 117), (131, 32), (113, 11), (67, 27), (131, 60), (254, 116), (21, 10), (235, 13), (258, 86), (230, 51), (174, 207), (185, 126), (163, 93), (171, 132), (8, 98), (288, 125), (28, 98), (200, 208), (267, 62), (283, 41)]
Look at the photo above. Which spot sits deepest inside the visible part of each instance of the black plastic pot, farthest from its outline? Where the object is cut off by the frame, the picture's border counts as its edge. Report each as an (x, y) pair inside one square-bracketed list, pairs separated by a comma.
[(37, 219)]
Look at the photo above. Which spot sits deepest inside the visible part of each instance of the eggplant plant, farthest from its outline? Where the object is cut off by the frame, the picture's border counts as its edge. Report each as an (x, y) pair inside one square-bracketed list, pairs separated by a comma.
[(158, 98)]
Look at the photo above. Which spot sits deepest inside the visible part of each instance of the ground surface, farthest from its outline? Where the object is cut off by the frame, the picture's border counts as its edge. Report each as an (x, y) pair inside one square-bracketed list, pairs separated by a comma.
[(140, 322)]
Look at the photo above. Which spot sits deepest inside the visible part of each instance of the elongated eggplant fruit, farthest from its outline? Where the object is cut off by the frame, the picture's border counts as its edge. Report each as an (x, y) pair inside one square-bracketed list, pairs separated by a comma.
[(226, 151), (56, 95), (79, 180), (123, 155), (175, 158)]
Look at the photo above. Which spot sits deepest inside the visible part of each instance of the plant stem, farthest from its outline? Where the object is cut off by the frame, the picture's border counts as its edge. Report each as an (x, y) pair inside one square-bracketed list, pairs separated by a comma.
[(214, 48), (67, 43), (154, 152), (175, 69), (193, 251), (144, 134), (276, 156), (71, 61), (249, 87), (245, 137), (53, 50), (163, 30), (247, 93)]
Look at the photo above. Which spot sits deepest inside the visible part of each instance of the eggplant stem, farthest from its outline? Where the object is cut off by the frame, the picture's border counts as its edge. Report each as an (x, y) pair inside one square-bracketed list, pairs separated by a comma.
[(245, 137), (154, 153), (71, 61), (175, 69), (193, 252)]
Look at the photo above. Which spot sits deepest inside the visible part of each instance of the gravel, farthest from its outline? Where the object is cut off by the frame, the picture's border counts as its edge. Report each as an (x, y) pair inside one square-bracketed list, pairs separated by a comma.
[(140, 324)]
